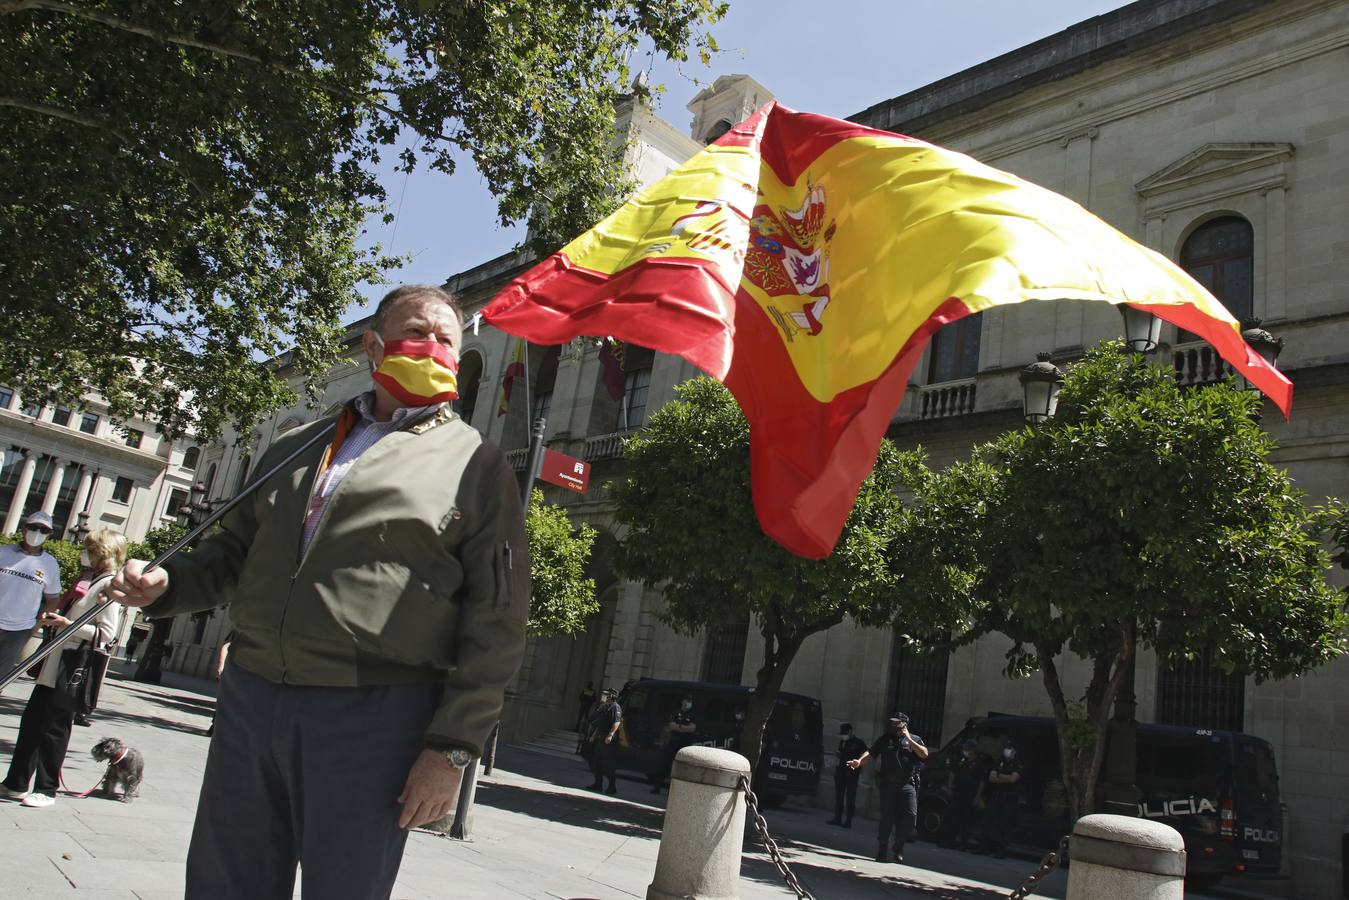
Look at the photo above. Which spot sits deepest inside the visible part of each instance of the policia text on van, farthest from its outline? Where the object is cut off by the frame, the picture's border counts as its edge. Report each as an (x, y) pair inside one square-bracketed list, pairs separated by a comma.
[(1219, 789)]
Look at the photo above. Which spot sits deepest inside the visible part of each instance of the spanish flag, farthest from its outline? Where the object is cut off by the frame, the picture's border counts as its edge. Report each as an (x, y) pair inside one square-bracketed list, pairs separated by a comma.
[(515, 369), (805, 261)]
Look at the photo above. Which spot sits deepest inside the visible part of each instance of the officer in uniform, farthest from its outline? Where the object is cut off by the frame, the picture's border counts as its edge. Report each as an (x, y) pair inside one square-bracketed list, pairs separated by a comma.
[(901, 755), (1004, 794), (679, 733), (969, 774), (604, 722), (850, 747)]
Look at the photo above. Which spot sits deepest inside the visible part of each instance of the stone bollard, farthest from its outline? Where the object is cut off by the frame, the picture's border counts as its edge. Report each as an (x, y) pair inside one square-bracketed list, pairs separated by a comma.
[(1124, 858), (704, 828)]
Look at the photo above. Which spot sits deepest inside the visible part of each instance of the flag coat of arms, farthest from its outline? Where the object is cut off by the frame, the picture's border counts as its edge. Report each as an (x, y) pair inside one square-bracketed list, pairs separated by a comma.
[(805, 261), (515, 369)]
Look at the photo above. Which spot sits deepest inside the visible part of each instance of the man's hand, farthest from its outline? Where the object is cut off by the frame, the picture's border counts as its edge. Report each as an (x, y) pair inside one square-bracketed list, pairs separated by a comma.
[(854, 764), (430, 790), (133, 586)]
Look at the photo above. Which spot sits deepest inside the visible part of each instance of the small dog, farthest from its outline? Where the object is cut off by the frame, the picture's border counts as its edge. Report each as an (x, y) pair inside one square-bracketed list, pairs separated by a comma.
[(125, 765)]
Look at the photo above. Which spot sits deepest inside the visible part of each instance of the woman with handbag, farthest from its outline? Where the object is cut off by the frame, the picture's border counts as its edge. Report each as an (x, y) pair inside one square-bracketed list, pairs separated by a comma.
[(65, 684)]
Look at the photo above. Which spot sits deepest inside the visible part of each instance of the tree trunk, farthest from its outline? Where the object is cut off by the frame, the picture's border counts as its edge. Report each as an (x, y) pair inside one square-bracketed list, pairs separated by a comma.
[(778, 656), (1082, 740)]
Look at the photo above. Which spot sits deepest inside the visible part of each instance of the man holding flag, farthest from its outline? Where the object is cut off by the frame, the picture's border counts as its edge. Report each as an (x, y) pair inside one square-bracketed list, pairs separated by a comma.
[(378, 590)]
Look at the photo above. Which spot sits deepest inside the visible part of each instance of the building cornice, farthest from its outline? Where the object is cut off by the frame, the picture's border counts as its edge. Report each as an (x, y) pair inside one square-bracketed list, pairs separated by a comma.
[(77, 446)]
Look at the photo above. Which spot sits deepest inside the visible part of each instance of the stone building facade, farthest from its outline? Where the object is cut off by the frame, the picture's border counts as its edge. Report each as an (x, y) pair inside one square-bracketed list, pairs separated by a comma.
[(1214, 131)]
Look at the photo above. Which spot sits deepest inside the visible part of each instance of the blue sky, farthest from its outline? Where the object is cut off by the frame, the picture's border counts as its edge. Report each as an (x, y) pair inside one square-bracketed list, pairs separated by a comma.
[(835, 57)]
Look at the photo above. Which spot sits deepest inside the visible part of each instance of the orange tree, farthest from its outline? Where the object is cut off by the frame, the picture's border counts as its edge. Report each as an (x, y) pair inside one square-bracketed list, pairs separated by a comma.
[(1141, 515), (691, 532)]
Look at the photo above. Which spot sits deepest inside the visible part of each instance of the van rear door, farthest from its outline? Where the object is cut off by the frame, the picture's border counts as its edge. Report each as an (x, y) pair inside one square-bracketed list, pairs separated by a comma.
[(793, 746), (1255, 790)]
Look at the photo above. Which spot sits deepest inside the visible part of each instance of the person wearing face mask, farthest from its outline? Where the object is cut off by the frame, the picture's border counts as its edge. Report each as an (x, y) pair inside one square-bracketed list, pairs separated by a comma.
[(679, 733), (850, 747), (969, 774), (44, 729), (30, 582), (378, 587), (1003, 791), (104, 552), (901, 756)]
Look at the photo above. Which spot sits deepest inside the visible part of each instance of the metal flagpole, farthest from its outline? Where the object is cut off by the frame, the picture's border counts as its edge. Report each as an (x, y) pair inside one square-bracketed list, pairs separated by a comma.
[(51, 646)]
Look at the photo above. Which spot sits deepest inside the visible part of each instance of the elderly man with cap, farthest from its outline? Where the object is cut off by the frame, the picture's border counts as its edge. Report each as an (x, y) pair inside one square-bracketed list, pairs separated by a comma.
[(604, 723), (850, 747), (901, 755), (29, 576)]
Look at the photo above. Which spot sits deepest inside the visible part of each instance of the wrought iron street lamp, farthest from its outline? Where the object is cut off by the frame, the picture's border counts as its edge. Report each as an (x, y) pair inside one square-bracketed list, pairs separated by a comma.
[(81, 529), (1263, 343), (1040, 384), (1142, 330)]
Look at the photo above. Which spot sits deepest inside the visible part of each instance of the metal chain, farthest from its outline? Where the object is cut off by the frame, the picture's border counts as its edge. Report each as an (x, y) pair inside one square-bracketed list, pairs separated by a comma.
[(1047, 865), (761, 826)]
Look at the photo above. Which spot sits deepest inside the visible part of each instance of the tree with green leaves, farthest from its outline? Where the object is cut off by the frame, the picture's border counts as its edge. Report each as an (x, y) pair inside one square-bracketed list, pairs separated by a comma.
[(563, 597), (691, 532), (1141, 515), (183, 185)]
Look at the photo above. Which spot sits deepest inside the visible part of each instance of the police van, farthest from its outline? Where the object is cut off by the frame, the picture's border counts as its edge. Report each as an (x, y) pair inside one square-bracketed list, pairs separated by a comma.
[(793, 751), (1219, 789)]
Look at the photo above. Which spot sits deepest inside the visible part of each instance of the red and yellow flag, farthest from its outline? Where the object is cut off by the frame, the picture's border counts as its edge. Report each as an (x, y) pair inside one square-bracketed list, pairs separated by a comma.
[(514, 369), (805, 261)]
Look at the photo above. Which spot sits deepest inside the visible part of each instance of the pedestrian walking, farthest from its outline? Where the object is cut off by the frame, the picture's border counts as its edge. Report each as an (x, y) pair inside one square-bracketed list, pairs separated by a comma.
[(850, 747), (603, 728), (901, 756), (378, 589), (1003, 791), (30, 582), (969, 775), (679, 732), (133, 641), (64, 685)]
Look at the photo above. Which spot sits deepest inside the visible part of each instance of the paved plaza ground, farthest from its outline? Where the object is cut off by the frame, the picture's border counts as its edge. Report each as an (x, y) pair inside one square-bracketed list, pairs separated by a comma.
[(537, 833)]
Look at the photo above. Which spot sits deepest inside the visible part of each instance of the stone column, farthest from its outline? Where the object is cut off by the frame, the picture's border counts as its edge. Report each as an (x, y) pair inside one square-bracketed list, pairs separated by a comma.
[(704, 830), (54, 487), (1125, 858), (20, 492), (81, 498)]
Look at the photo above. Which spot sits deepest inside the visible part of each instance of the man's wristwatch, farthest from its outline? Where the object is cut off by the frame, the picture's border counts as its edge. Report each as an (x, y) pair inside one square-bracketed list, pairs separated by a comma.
[(458, 757)]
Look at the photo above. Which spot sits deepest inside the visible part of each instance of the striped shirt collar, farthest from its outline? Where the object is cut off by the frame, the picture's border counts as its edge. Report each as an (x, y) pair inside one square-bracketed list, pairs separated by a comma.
[(404, 415)]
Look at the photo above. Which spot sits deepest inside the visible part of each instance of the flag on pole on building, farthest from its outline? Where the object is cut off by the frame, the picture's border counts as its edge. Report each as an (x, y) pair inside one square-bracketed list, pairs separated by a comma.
[(611, 356), (805, 261), (515, 369)]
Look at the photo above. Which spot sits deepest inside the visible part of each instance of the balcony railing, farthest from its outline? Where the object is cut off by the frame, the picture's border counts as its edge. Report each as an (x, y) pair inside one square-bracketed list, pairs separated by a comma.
[(950, 398), (604, 446), (1199, 364)]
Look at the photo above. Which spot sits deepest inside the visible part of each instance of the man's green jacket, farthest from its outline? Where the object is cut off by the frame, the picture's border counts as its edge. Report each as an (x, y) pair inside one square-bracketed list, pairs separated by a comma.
[(418, 572)]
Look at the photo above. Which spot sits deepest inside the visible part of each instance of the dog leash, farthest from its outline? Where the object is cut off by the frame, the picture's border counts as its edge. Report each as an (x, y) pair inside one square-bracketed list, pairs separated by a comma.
[(62, 777)]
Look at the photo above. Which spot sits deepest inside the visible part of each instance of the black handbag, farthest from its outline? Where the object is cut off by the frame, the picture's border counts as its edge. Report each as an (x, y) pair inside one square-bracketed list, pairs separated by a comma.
[(75, 676)]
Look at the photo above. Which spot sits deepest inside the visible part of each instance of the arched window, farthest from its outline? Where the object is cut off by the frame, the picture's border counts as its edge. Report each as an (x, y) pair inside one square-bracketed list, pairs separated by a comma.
[(190, 458), (718, 130), (210, 479), (1219, 255), (470, 380)]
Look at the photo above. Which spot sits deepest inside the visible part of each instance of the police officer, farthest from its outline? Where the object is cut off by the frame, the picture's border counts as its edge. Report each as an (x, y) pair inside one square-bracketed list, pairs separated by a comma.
[(1003, 791), (850, 747), (679, 733), (969, 774), (901, 755), (604, 722)]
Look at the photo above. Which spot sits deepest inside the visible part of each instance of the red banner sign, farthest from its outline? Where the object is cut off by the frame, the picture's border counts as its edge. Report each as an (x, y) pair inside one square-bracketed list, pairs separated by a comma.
[(565, 471)]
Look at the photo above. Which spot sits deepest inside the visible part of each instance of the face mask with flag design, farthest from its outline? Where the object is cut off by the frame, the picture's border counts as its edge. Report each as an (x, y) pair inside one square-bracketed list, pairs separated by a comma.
[(418, 373)]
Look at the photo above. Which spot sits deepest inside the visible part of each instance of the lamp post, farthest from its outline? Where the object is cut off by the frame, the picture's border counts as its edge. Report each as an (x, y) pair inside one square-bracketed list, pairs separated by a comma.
[(1142, 330), (1040, 384), (190, 515), (81, 529), (1263, 342)]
